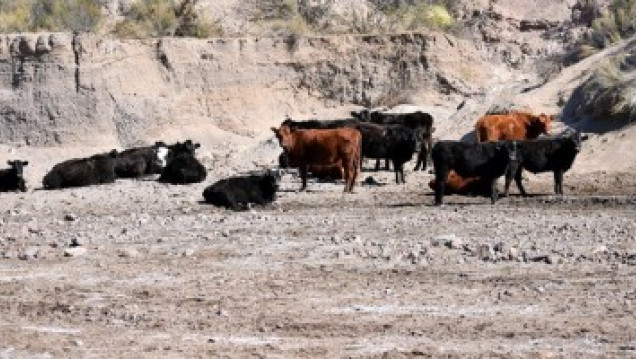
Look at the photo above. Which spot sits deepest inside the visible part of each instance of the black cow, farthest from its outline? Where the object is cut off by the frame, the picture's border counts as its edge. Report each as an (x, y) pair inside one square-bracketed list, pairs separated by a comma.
[(488, 160), (320, 124), (240, 192), (97, 169), (394, 142), (420, 122), (12, 179), (141, 161), (183, 167), (546, 155)]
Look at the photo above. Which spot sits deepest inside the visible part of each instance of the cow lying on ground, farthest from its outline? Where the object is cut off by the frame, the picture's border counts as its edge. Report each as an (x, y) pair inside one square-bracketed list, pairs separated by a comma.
[(324, 173), (512, 126), (456, 184), (12, 179), (489, 160), (395, 142), (420, 122), (97, 169), (546, 155), (339, 146), (182, 166), (239, 193), (141, 161)]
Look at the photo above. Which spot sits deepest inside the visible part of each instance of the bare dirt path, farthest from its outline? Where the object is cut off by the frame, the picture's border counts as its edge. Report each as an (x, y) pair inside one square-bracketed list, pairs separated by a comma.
[(380, 273)]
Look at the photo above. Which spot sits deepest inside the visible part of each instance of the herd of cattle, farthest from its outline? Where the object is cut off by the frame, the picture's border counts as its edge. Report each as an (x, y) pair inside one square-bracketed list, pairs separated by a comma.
[(506, 145)]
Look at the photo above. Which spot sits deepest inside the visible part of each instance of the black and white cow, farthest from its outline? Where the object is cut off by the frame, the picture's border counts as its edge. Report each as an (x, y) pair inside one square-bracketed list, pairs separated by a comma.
[(489, 160), (141, 161), (239, 193), (546, 155), (97, 169), (12, 179)]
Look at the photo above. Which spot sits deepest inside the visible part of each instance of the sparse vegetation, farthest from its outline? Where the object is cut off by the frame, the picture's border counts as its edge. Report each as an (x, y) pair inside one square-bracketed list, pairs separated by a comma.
[(610, 93), (422, 14), (153, 18), (49, 15)]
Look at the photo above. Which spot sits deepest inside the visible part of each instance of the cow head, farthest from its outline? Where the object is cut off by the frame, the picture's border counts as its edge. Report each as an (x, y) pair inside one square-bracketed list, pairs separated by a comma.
[(284, 136), (577, 138), (188, 148), (544, 122), (17, 167)]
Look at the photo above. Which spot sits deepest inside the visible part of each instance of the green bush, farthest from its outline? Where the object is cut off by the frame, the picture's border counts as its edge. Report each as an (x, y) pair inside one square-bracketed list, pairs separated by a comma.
[(617, 22), (15, 15)]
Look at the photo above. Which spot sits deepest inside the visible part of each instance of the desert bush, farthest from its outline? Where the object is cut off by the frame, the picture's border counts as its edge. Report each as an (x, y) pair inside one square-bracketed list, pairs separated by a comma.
[(618, 21), (152, 18), (610, 93), (15, 16), (50, 15), (421, 14)]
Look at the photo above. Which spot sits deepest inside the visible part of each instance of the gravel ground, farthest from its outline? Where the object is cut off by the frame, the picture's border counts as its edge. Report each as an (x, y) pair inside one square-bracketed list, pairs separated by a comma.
[(142, 269)]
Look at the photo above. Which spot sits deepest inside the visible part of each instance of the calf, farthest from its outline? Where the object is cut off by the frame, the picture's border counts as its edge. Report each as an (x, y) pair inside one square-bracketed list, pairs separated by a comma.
[(546, 155), (183, 167), (456, 184), (487, 160), (394, 142), (339, 146), (512, 126), (12, 179), (97, 169), (240, 192), (141, 161)]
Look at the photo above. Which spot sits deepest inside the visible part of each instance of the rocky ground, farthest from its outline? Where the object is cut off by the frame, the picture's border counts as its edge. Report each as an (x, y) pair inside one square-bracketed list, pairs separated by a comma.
[(142, 269)]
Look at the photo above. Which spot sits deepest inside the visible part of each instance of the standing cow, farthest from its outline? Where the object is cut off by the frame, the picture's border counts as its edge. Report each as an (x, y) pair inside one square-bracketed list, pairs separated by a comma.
[(512, 126), (12, 179), (546, 155), (488, 160), (339, 146), (97, 169)]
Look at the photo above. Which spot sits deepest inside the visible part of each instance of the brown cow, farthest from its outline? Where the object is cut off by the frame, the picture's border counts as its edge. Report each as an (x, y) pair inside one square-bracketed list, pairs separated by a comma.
[(325, 173), (512, 126), (339, 146), (456, 184)]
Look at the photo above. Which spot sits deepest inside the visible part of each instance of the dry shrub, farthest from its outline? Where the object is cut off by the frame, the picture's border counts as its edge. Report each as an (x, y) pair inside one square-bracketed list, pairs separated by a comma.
[(153, 18), (610, 93), (49, 15)]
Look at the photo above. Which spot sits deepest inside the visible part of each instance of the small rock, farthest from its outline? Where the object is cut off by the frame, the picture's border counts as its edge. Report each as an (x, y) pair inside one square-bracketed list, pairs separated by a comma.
[(541, 258), (29, 253), (10, 254), (75, 251), (602, 249), (513, 253), (76, 242), (485, 252), (128, 253), (453, 242), (70, 217), (188, 252)]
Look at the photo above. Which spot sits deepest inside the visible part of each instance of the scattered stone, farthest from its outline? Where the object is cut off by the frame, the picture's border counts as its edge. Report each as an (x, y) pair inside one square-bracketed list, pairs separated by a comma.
[(70, 217), (602, 249), (370, 181), (188, 252), (513, 254), (29, 253), (10, 254), (485, 252), (450, 241), (128, 253), (76, 242), (541, 258), (75, 251)]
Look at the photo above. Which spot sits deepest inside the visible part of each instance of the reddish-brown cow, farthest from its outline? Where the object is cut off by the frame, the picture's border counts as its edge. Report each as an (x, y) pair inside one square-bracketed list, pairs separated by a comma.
[(339, 146), (512, 126), (456, 184)]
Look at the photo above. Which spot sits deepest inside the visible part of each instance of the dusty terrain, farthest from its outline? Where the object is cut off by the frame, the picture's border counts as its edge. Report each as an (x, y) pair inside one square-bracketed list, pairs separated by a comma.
[(380, 273)]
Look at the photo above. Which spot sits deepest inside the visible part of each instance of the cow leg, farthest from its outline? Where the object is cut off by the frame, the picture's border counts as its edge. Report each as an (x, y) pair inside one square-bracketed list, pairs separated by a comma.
[(303, 177), (387, 167), (440, 183), (377, 164), (421, 159), (558, 182), (510, 174), (518, 179), (494, 193)]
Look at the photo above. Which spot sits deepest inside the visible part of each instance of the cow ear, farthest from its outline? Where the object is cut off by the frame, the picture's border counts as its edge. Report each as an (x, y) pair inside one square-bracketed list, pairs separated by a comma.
[(197, 145), (432, 129), (25, 163), (10, 163), (585, 137), (160, 144), (274, 129), (113, 153)]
